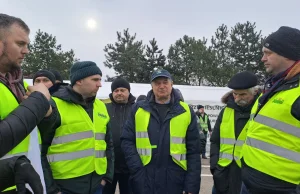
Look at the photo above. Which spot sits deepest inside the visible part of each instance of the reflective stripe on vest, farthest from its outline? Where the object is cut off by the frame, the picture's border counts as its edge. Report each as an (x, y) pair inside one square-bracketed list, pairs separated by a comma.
[(178, 128), (239, 145), (230, 148), (204, 122), (78, 147), (273, 138)]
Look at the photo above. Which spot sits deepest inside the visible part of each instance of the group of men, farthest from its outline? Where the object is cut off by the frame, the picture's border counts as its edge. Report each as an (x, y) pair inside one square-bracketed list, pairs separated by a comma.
[(152, 145), (86, 146), (255, 142)]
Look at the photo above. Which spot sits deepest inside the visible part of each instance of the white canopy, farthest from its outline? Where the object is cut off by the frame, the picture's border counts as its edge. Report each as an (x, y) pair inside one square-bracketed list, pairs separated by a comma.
[(191, 94)]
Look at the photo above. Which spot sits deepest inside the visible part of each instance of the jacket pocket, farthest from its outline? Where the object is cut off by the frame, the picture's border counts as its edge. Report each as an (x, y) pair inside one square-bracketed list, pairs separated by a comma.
[(137, 181), (175, 180), (221, 178)]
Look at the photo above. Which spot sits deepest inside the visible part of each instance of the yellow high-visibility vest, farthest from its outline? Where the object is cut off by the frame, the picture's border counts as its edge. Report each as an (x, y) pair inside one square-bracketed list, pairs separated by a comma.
[(79, 147), (178, 129), (273, 138), (204, 122), (230, 147)]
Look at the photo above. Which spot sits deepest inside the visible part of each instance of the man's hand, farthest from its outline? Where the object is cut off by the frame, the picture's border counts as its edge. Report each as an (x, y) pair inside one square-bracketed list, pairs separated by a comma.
[(103, 182), (49, 112), (38, 88), (25, 173)]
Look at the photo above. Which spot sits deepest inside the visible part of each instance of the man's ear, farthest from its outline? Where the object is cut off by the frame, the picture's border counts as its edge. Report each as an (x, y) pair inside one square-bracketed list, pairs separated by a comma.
[(1, 47), (255, 92), (79, 82)]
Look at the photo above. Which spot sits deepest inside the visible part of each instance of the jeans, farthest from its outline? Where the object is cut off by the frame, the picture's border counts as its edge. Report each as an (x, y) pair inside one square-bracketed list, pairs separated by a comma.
[(99, 190), (204, 151), (244, 189), (214, 190)]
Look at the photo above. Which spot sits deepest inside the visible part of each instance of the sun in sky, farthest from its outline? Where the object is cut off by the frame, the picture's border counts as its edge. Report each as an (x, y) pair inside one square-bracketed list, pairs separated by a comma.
[(91, 24)]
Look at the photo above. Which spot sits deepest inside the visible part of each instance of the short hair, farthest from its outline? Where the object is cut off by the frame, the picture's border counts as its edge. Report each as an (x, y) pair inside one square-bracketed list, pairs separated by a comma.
[(6, 21)]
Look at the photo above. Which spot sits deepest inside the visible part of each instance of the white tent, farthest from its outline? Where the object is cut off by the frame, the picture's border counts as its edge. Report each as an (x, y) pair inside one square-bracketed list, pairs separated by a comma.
[(190, 93)]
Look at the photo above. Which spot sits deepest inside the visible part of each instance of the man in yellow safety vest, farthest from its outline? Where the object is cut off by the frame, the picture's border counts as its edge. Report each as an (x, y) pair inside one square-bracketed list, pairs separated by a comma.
[(228, 135), (18, 117), (205, 126), (161, 142), (77, 148), (271, 153)]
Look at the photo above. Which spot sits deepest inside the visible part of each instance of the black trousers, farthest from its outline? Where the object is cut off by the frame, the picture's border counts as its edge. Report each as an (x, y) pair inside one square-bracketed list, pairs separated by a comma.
[(123, 180)]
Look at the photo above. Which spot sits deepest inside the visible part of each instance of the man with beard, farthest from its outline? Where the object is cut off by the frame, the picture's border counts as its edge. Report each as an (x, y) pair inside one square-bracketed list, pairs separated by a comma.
[(118, 110), (77, 148), (161, 142), (18, 116), (228, 135)]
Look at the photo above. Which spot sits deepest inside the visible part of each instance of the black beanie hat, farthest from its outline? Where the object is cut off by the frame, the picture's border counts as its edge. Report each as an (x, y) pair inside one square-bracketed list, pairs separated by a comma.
[(285, 42), (200, 106), (44, 73), (57, 75), (120, 83), (141, 97), (243, 80), (83, 69)]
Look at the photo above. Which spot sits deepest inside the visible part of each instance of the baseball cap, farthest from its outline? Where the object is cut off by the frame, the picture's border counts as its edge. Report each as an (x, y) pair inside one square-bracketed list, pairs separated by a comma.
[(160, 73)]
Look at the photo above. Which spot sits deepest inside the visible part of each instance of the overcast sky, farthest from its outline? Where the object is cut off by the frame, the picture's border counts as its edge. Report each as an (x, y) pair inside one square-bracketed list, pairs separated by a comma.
[(166, 20)]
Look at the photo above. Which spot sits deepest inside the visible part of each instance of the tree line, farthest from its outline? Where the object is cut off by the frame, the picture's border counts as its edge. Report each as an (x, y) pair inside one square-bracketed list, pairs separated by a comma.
[(191, 61)]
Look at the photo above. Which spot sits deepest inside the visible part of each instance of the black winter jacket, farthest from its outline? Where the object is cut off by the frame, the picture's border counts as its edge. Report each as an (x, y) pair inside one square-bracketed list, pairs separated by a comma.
[(162, 175), (15, 128), (80, 185), (118, 115), (19, 123)]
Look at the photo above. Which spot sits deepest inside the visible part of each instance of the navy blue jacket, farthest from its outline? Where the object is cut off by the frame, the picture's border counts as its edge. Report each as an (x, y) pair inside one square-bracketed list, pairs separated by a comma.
[(162, 174)]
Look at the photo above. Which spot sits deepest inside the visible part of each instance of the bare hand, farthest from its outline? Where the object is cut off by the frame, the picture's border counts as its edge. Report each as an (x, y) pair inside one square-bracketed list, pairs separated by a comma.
[(103, 182), (49, 112), (38, 88)]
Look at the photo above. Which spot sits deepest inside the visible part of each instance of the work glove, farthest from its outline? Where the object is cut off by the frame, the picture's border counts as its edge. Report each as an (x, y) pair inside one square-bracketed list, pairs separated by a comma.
[(25, 173)]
